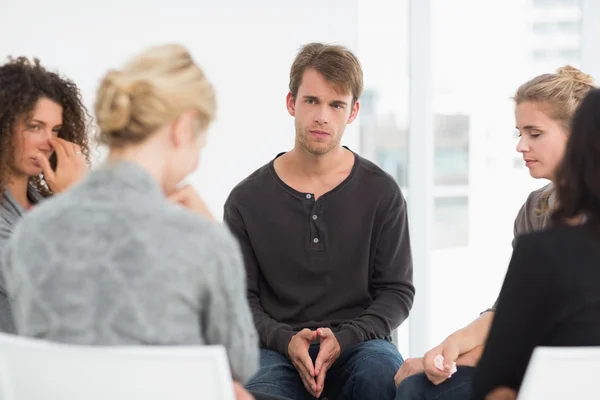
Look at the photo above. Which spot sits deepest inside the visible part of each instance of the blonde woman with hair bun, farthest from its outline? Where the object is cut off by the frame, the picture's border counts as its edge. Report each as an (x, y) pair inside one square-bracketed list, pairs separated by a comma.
[(145, 264), (544, 109)]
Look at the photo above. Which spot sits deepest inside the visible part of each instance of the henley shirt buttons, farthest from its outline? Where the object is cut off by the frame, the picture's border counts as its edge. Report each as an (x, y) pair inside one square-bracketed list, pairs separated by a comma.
[(316, 240), (308, 195), (315, 216)]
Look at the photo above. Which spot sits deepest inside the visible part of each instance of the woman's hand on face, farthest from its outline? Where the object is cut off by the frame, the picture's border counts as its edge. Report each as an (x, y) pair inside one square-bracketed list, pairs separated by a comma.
[(71, 165)]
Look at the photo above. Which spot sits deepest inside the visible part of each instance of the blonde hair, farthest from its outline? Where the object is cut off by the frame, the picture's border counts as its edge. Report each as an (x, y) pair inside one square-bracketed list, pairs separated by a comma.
[(559, 94), (153, 89)]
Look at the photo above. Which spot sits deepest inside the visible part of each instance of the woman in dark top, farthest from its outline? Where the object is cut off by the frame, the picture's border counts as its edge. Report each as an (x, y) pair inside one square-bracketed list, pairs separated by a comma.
[(550, 295)]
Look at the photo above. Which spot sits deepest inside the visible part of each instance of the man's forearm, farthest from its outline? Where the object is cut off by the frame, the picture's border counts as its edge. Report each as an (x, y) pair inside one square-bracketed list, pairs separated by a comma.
[(386, 312), (273, 335)]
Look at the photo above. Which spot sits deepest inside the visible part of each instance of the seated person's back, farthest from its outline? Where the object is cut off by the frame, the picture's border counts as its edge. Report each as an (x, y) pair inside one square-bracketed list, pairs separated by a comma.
[(114, 261), (550, 298), (123, 262), (571, 277)]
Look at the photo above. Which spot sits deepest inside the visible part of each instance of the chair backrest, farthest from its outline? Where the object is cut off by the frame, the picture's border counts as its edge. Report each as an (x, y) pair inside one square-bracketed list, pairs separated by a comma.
[(33, 369), (562, 373)]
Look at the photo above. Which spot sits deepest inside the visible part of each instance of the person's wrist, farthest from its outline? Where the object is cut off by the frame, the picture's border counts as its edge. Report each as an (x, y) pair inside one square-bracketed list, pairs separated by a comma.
[(451, 341), (452, 345), (290, 345)]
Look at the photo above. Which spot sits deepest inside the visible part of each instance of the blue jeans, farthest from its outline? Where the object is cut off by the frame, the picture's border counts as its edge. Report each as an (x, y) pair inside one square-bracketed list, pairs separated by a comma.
[(264, 396), (363, 371), (418, 387)]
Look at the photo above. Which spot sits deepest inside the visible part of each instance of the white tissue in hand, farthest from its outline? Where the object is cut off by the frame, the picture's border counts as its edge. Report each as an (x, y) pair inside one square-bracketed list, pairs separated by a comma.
[(438, 361)]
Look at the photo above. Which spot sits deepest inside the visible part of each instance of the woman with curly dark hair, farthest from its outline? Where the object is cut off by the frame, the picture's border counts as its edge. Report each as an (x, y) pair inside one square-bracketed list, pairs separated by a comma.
[(550, 295), (43, 145)]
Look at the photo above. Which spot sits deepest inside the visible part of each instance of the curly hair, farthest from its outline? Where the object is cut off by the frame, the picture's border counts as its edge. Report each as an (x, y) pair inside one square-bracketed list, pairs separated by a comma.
[(577, 179), (22, 84)]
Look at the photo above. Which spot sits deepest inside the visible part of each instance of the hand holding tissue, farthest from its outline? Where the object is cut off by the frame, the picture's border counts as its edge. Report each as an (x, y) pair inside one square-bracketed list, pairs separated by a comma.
[(438, 361)]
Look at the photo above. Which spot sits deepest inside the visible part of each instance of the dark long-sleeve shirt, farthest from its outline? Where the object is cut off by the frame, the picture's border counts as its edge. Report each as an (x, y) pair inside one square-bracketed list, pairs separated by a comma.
[(550, 297), (342, 261)]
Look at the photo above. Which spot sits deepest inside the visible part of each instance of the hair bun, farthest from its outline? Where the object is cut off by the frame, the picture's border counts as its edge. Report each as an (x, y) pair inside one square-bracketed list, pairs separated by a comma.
[(152, 90), (576, 75), (113, 107)]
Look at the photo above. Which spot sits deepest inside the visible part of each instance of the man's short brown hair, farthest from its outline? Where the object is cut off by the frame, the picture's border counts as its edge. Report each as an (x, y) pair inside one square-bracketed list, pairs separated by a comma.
[(336, 63)]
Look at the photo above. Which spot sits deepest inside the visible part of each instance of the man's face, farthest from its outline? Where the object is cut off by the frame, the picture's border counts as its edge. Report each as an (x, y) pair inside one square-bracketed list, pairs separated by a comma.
[(321, 113)]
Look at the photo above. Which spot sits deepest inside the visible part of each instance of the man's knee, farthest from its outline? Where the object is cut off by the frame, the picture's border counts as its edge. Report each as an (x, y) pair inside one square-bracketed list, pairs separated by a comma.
[(377, 371), (412, 388), (276, 376), (380, 353), (273, 367), (270, 358), (372, 369)]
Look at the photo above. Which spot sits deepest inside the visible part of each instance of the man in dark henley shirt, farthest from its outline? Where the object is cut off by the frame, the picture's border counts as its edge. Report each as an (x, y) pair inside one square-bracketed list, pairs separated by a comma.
[(328, 265)]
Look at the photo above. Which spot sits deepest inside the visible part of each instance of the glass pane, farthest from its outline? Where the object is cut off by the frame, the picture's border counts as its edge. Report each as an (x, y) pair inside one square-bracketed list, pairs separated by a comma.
[(556, 29), (383, 51), (451, 161), (451, 222)]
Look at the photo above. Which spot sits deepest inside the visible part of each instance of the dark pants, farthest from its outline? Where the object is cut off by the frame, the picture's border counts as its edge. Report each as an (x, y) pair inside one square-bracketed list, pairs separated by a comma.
[(457, 387), (363, 371), (262, 396)]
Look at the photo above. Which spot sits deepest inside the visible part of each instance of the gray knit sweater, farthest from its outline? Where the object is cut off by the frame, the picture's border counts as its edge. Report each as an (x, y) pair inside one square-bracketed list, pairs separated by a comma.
[(111, 262)]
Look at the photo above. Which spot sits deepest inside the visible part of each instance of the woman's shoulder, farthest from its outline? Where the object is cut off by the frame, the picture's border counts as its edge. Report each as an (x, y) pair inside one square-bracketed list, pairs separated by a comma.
[(193, 239), (183, 223), (540, 197), (534, 213)]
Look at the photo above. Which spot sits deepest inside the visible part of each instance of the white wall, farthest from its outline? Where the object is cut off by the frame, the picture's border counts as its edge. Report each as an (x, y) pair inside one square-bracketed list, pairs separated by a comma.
[(246, 49)]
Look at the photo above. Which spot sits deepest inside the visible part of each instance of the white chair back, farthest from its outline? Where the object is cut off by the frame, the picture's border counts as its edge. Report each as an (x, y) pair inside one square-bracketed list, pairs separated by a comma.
[(33, 369), (559, 373)]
